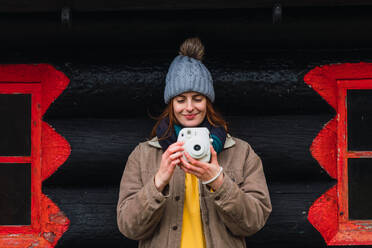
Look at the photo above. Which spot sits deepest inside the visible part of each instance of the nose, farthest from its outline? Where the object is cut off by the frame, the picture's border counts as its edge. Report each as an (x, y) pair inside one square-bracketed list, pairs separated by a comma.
[(189, 106)]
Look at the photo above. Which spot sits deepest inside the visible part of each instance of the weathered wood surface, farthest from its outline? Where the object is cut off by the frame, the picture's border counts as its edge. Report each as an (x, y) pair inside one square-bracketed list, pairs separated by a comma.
[(92, 212), (249, 83), (162, 28), (115, 5), (100, 147), (115, 84)]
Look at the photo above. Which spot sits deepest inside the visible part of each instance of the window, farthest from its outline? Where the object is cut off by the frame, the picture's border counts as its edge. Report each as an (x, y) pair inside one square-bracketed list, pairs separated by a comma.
[(28, 155), (343, 214), (19, 156), (355, 156)]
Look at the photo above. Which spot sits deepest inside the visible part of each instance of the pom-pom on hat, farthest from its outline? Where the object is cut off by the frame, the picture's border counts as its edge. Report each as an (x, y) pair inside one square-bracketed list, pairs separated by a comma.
[(188, 73)]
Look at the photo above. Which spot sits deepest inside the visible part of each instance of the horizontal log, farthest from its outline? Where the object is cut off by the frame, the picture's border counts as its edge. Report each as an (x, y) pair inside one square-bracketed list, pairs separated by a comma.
[(226, 26), (114, 5), (92, 212), (100, 147), (245, 83)]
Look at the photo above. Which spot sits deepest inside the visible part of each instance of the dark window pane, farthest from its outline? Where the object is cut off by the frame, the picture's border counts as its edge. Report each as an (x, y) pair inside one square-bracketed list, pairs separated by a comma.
[(359, 120), (360, 188), (15, 194), (15, 125)]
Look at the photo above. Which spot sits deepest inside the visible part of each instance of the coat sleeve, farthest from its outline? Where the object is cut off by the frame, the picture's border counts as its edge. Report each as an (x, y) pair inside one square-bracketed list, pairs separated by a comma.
[(140, 206), (244, 208)]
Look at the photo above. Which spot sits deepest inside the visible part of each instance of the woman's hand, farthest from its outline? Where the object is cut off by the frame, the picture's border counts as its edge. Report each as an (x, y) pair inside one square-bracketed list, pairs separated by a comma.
[(204, 171), (169, 160)]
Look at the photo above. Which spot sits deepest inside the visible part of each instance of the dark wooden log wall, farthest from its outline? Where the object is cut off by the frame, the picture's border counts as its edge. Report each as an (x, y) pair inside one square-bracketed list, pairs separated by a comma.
[(28, 6), (103, 114), (117, 80), (232, 25)]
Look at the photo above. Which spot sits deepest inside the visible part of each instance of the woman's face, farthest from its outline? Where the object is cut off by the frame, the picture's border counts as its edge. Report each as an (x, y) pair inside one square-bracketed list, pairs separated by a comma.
[(190, 108)]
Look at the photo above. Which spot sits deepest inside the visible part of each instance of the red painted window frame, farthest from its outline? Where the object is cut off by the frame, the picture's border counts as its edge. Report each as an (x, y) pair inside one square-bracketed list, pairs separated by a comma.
[(345, 224), (329, 213), (49, 150), (34, 89)]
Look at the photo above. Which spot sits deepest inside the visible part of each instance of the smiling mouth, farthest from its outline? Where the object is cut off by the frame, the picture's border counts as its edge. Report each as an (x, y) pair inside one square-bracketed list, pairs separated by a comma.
[(190, 117)]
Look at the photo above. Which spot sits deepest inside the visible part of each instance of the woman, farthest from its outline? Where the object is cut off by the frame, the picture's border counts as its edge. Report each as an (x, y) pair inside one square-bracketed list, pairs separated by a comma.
[(166, 200)]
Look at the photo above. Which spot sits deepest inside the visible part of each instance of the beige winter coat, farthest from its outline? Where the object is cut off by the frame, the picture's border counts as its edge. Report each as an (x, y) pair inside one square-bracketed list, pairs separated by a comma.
[(239, 208)]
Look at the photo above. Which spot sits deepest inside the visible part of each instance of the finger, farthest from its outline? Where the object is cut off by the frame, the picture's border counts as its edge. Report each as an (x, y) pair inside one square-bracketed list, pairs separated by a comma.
[(198, 175), (194, 161), (214, 154), (175, 155), (192, 173), (185, 169), (191, 168), (175, 149), (172, 150), (176, 162), (175, 144)]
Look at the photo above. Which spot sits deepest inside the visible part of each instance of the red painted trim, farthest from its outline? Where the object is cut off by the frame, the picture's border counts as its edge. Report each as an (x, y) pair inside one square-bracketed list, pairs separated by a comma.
[(329, 214), (49, 150), (323, 214), (15, 160), (36, 159), (324, 148), (342, 179), (56, 150)]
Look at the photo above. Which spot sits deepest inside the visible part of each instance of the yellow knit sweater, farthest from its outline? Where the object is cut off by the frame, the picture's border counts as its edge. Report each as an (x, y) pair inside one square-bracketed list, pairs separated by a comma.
[(192, 227)]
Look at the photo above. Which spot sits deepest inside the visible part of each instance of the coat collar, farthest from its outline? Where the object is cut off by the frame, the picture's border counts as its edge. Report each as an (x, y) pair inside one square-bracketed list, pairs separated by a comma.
[(228, 143)]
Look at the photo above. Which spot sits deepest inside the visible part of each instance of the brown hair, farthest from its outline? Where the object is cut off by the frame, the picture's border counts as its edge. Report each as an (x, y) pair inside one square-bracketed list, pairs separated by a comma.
[(192, 47), (213, 117)]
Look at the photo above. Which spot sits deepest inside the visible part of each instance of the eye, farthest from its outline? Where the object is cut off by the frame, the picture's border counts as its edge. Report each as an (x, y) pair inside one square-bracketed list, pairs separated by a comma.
[(198, 99), (180, 100)]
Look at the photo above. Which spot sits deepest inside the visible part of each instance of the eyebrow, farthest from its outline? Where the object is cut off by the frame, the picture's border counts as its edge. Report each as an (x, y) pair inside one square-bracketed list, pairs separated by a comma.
[(196, 95)]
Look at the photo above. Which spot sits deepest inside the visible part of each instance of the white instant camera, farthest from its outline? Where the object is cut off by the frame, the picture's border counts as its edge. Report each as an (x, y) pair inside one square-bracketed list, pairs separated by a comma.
[(197, 142)]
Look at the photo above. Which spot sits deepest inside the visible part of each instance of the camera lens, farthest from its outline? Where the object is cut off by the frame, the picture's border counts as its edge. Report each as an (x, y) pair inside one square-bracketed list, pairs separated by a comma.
[(197, 147)]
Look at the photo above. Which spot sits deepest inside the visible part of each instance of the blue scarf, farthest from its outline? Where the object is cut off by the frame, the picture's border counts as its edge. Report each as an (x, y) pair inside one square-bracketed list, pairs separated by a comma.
[(218, 134)]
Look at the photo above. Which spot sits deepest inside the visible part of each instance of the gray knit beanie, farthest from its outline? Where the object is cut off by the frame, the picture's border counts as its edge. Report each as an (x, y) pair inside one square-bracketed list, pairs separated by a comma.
[(188, 74)]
